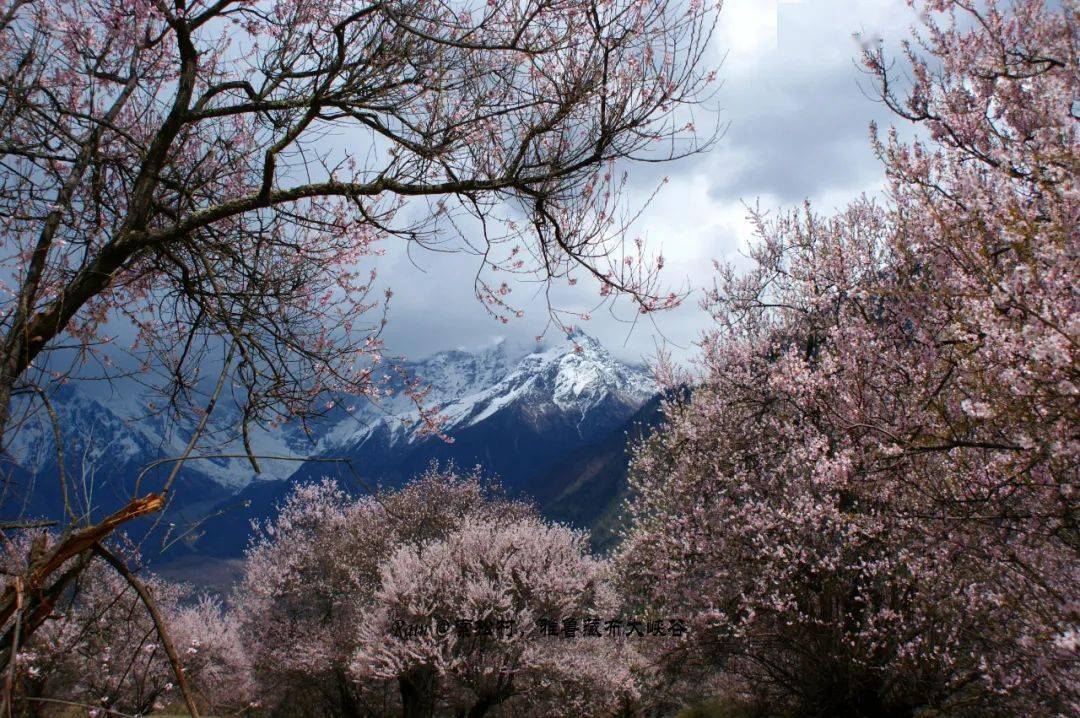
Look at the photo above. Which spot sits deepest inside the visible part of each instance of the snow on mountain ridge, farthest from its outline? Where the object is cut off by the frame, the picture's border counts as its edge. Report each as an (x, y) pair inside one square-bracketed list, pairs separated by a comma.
[(101, 431), (575, 375), (446, 375)]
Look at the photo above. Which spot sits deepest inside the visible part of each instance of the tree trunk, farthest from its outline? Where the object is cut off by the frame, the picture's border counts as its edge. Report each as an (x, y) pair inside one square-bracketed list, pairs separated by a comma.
[(418, 693), (480, 709), (348, 704)]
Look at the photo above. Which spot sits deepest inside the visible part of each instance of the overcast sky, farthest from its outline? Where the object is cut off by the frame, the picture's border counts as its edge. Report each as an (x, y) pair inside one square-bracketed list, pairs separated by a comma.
[(798, 112)]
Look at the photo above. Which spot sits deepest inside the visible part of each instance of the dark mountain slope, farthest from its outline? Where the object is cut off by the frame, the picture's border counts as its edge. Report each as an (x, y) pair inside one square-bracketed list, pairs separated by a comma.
[(587, 488)]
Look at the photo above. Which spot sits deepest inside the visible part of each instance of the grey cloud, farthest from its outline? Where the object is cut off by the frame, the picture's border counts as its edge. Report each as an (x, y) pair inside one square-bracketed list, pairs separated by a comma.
[(799, 135)]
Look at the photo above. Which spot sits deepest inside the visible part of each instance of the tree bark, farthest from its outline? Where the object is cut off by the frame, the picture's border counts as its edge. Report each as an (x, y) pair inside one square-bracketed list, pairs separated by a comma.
[(480, 709), (418, 693)]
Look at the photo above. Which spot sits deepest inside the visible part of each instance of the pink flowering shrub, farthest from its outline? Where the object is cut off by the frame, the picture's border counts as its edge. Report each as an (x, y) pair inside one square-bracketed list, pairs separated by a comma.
[(869, 504), (207, 638)]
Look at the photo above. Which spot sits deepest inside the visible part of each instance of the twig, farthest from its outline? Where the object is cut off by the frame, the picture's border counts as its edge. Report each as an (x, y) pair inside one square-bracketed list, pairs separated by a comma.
[(202, 424), (21, 525), (58, 438)]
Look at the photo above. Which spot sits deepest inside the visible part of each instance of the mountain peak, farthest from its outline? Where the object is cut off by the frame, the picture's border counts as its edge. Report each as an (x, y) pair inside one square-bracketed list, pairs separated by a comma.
[(574, 375), (577, 332), (577, 340)]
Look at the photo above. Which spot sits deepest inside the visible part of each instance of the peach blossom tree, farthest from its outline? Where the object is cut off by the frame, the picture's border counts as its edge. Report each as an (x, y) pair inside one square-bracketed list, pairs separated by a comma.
[(224, 170), (101, 650), (869, 502)]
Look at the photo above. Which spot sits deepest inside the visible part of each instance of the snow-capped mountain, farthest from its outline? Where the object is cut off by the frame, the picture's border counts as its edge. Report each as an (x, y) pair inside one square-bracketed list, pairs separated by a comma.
[(514, 413), (446, 377), (115, 445), (575, 377)]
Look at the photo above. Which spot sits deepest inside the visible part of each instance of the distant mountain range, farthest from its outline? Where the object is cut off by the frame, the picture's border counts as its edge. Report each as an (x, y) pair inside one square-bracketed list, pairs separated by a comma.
[(552, 423)]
